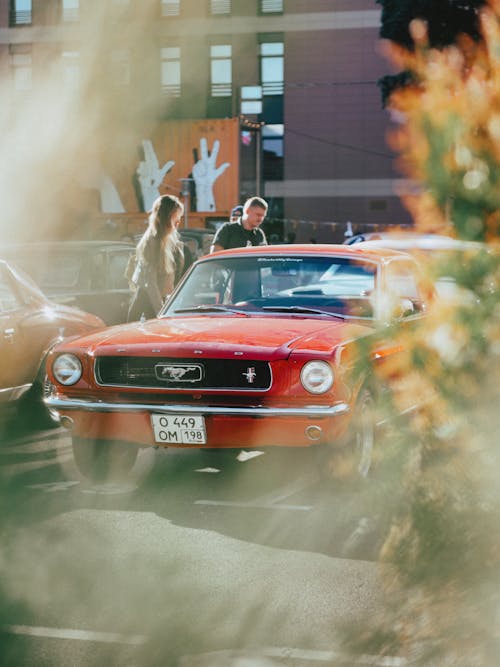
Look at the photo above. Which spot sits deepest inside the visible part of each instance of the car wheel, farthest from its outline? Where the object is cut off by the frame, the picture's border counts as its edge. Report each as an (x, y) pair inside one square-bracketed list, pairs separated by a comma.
[(362, 440), (103, 460), (352, 460)]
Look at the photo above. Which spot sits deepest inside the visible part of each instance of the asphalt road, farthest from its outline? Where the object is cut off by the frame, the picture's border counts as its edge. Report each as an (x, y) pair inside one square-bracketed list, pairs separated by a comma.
[(198, 559)]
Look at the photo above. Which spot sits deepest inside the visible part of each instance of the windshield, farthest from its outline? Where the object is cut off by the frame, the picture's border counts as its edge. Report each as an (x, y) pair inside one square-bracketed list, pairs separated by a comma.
[(26, 283), (307, 285)]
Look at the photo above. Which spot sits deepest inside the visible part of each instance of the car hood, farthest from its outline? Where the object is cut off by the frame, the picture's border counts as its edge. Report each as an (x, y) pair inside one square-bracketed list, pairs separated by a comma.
[(262, 337), (48, 312), (77, 315)]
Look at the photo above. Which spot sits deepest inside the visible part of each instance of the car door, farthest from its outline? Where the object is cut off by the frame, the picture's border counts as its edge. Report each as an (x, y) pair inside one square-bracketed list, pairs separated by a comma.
[(109, 293), (13, 375)]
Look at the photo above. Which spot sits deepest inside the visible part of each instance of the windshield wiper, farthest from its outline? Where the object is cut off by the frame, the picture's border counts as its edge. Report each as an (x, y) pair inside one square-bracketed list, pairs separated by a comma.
[(302, 309), (210, 309)]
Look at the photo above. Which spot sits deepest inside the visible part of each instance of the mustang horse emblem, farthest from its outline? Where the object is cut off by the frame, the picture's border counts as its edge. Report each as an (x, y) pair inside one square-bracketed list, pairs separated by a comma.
[(174, 372)]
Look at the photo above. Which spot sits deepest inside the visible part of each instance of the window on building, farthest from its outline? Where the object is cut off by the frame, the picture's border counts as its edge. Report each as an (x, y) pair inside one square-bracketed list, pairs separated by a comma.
[(170, 7), (221, 70), (272, 139), (71, 73), (22, 67), (272, 67), (70, 10), (171, 71), (251, 100), (20, 12), (120, 64), (271, 6), (220, 6), (272, 148)]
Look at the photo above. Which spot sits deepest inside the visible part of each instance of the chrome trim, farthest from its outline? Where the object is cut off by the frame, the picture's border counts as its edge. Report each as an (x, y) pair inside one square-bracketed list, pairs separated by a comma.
[(312, 412), (135, 387), (14, 393)]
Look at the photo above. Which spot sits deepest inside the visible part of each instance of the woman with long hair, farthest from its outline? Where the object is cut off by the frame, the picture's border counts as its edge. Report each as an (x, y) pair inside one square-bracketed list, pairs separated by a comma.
[(161, 258)]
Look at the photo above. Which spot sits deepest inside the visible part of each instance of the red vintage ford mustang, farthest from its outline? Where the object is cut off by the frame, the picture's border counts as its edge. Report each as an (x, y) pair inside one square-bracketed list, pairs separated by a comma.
[(254, 349)]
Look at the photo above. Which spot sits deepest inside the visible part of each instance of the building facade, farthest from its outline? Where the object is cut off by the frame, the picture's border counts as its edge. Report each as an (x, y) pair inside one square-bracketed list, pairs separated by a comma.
[(304, 72)]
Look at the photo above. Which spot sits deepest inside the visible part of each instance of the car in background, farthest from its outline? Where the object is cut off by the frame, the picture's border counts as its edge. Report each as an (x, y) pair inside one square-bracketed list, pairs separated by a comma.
[(30, 325), (366, 236), (441, 254), (197, 243), (243, 354), (198, 240), (397, 232), (89, 275)]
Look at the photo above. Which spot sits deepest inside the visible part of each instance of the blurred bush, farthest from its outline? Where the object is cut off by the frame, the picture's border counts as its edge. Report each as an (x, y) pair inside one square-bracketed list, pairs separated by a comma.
[(443, 605)]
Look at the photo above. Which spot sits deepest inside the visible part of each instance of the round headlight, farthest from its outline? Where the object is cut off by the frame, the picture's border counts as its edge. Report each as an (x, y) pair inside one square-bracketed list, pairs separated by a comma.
[(67, 369), (316, 377)]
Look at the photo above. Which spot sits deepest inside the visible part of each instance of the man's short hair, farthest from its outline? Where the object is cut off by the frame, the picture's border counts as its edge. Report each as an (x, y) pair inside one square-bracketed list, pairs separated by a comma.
[(255, 201)]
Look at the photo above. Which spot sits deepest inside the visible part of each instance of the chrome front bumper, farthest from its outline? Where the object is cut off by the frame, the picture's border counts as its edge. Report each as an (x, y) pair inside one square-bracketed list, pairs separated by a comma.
[(309, 412)]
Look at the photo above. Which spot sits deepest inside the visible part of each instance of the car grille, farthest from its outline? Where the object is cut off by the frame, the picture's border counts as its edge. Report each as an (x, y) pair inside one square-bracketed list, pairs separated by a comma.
[(155, 372)]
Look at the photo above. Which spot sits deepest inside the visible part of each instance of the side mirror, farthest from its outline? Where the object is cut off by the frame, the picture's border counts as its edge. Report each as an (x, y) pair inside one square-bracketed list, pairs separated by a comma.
[(406, 308)]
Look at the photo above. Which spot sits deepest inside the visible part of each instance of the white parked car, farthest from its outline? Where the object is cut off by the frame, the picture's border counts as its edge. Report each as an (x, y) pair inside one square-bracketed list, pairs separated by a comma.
[(442, 253)]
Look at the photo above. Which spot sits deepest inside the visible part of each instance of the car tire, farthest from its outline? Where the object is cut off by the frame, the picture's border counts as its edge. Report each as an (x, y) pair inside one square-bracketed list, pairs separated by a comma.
[(351, 461), (363, 435), (103, 460)]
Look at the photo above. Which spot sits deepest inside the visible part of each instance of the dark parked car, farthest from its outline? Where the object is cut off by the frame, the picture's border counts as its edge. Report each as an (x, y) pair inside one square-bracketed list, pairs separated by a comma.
[(198, 240), (87, 274), (30, 325)]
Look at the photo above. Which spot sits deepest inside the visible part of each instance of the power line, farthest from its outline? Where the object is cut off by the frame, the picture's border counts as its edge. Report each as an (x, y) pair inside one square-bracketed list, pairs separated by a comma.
[(337, 144), (325, 84)]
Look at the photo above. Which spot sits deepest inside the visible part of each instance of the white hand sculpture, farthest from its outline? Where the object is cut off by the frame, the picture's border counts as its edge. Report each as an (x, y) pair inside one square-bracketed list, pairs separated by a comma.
[(150, 175), (205, 174), (99, 179), (110, 199)]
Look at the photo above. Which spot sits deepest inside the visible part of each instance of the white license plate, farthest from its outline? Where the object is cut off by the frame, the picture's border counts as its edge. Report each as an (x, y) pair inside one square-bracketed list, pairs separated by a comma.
[(179, 429)]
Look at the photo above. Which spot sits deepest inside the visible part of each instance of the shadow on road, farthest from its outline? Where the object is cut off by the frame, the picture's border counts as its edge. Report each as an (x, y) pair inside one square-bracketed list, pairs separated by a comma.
[(277, 498)]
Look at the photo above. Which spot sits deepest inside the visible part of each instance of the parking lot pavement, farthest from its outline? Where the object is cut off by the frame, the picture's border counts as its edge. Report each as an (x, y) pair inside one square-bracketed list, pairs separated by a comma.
[(25, 454), (123, 574), (198, 530)]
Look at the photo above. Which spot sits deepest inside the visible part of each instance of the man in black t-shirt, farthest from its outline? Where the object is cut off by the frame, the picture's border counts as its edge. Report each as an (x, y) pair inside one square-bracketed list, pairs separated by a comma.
[(244, 232)]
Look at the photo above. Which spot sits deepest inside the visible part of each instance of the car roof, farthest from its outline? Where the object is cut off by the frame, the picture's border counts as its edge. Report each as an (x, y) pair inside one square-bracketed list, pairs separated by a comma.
[(395, 233), (423, 242), (337, 250)]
